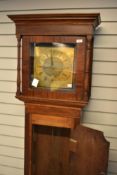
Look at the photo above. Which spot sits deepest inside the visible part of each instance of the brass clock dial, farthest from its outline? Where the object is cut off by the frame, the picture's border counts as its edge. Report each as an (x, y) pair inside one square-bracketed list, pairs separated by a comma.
[(53, 65)]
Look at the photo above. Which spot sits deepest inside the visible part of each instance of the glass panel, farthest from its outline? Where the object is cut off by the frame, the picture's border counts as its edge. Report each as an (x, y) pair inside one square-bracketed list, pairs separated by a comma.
[(53, 65)]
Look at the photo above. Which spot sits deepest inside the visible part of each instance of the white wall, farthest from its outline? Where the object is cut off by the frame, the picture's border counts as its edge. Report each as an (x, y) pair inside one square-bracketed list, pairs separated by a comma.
[(101, 113)]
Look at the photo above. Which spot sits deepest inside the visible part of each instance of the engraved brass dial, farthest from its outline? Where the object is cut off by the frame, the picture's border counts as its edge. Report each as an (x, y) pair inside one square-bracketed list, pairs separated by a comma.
[(53, 66)]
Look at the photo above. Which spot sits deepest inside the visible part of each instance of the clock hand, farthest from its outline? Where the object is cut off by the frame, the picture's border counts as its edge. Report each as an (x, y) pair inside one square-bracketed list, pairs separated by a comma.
[(52, 63)]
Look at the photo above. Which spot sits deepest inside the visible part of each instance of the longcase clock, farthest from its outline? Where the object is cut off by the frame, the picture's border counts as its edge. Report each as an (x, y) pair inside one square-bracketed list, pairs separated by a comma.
[(54, 81)]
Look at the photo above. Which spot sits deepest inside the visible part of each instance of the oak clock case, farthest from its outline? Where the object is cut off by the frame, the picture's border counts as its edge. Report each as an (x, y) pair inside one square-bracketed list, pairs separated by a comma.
[(54, 81)]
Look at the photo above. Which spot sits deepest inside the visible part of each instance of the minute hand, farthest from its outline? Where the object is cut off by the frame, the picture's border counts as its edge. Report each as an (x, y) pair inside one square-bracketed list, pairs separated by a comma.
[(52, 62)]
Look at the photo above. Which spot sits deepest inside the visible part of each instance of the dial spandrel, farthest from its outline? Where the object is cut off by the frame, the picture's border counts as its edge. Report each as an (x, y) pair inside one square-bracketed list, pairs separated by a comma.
[(53, 65)]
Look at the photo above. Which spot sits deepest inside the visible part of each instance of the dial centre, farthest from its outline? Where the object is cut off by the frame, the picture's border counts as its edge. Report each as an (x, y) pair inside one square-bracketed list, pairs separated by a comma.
[(53, 66)]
